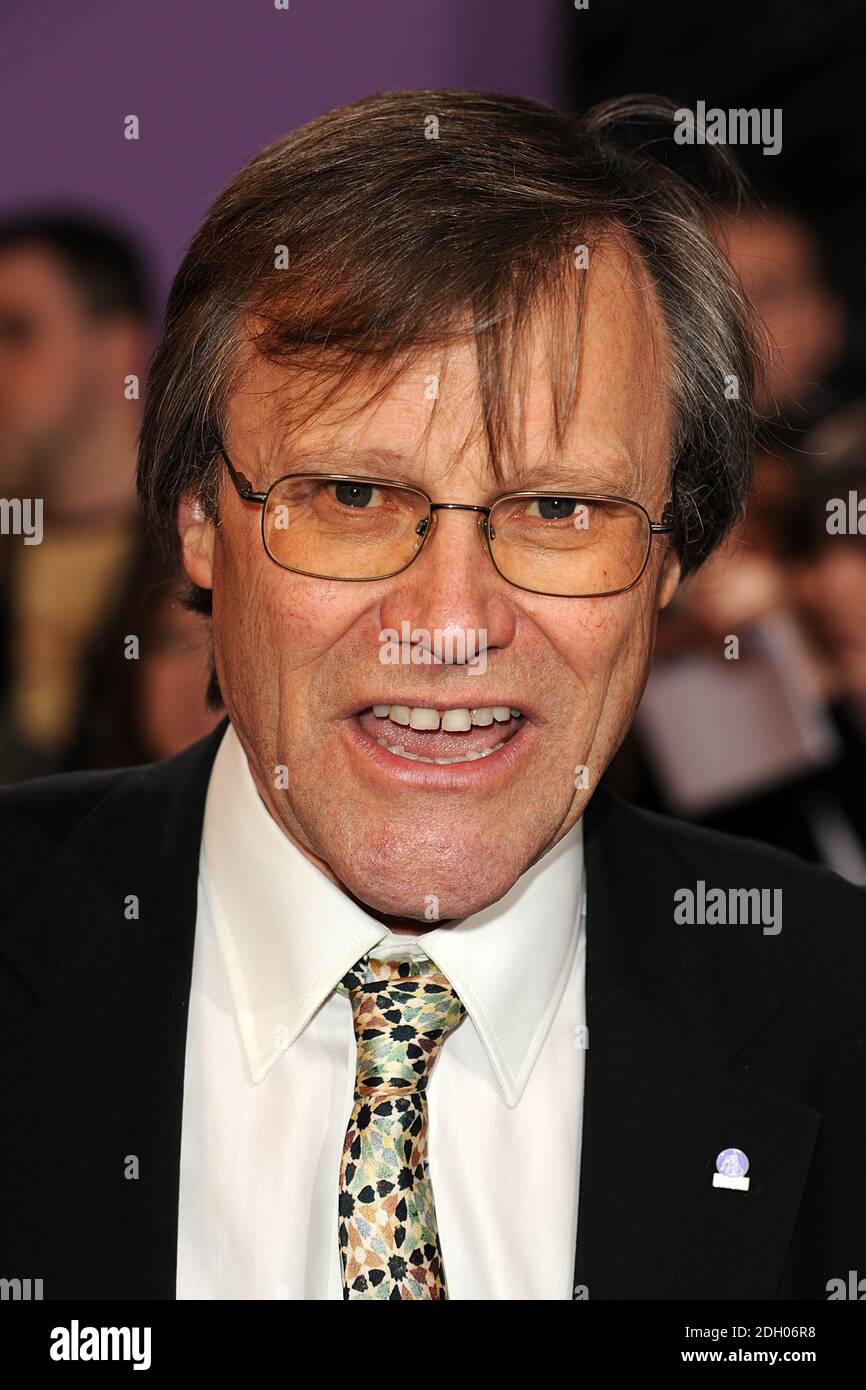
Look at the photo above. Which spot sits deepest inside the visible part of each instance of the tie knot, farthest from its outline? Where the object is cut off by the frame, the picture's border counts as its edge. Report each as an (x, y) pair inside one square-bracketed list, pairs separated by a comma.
[(402, 1010)]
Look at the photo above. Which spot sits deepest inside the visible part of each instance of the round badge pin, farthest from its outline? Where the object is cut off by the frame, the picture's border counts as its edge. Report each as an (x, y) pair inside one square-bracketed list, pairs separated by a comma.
[(732, 1165)]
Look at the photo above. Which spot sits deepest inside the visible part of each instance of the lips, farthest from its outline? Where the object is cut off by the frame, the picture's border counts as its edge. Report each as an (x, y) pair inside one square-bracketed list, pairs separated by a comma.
[(442, 729), (475, 753)]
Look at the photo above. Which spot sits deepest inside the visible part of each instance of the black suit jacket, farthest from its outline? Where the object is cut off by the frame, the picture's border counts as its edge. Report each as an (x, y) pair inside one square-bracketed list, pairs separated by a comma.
[(700, 1038)]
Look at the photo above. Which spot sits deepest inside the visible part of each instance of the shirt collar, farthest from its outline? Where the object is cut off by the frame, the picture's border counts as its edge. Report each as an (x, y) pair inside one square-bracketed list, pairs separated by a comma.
[(288, 934)]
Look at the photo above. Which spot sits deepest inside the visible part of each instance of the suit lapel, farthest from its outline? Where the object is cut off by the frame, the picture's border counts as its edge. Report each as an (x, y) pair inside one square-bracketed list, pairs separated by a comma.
[(101, 1057), (661, 1100)]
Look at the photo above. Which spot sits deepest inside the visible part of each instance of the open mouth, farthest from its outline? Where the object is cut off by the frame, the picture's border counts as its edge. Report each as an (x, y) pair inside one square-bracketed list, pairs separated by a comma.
[(427, 735)]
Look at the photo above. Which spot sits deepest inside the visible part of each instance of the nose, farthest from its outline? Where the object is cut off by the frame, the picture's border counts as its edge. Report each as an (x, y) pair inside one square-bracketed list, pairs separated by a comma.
[(452, 586)]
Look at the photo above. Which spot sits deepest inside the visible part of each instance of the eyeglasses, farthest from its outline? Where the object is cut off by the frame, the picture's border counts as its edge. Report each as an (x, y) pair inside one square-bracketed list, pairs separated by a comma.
[(338, 526)]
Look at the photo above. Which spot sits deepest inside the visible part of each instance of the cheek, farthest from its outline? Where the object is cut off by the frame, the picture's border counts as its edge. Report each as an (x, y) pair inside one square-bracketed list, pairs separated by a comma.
[(50, 373), (603, 641), (274, 630)]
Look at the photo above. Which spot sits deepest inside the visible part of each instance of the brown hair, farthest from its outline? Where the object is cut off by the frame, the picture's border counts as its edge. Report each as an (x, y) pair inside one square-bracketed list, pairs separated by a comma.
[(412, 218)]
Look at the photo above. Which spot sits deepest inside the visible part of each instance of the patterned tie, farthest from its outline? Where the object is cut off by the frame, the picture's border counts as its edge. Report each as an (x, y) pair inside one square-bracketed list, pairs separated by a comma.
[(389, 1244)]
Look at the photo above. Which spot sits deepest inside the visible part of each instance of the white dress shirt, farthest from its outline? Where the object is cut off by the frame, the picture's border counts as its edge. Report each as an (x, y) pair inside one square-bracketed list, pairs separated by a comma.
[(270, 1069)]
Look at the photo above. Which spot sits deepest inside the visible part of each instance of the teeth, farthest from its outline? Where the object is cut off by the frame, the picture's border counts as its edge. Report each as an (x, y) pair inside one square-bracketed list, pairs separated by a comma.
[(424, 719), (417, 758), (453, 720)]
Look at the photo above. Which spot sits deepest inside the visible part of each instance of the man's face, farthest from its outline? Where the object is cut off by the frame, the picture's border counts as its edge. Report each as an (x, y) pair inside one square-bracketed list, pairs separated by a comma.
[(778, 266), (47, 354), (299, 658)]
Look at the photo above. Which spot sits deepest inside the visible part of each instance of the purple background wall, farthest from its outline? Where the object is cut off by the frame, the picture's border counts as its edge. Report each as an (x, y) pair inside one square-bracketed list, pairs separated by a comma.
[(212, 81)]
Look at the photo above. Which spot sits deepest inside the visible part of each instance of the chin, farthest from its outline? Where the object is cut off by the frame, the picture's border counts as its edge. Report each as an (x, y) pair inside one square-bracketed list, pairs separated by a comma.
[(433, 882), (429, 907)]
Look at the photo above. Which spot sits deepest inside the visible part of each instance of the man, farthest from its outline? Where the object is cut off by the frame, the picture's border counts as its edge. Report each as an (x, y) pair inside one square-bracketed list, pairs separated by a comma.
[(778, 257), (74, 338), (370, 994)]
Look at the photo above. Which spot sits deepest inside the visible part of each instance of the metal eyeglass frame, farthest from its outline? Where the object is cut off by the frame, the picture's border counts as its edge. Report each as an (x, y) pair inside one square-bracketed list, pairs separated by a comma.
[(246, 491)]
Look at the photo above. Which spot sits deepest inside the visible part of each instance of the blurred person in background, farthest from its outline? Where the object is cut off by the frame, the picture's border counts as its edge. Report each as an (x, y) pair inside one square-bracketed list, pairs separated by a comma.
[(735, 701), (735, 705), (74, 339), (778, 259), (782, 572), (830, 810), (833, 576), (744, 580), (839, 435), (149, 693)]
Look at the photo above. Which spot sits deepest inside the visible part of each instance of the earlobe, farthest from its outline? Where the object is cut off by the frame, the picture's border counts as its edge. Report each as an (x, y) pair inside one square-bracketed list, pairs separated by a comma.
[(670, 578), (197, 532)]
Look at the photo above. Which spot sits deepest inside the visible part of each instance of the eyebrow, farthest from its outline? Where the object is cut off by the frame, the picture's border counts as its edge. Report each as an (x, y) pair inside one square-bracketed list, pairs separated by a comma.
[(615, 475), (601, 475), (389, 465)]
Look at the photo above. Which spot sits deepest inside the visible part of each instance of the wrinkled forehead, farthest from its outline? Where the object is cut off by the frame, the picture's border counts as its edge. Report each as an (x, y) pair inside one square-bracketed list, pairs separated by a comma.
[(583, 382)]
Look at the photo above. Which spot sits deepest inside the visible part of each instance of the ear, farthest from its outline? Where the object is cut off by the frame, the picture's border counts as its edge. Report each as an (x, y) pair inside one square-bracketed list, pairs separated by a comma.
[(197, 533), (670, 578)]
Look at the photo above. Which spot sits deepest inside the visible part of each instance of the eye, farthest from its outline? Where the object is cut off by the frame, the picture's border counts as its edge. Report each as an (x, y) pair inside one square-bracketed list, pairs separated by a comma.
[(354, 494), (16, 330), (552, 508)]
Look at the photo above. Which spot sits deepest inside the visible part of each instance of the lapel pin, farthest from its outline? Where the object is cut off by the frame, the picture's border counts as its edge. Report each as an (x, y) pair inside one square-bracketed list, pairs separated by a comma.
[(731, 1169)]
